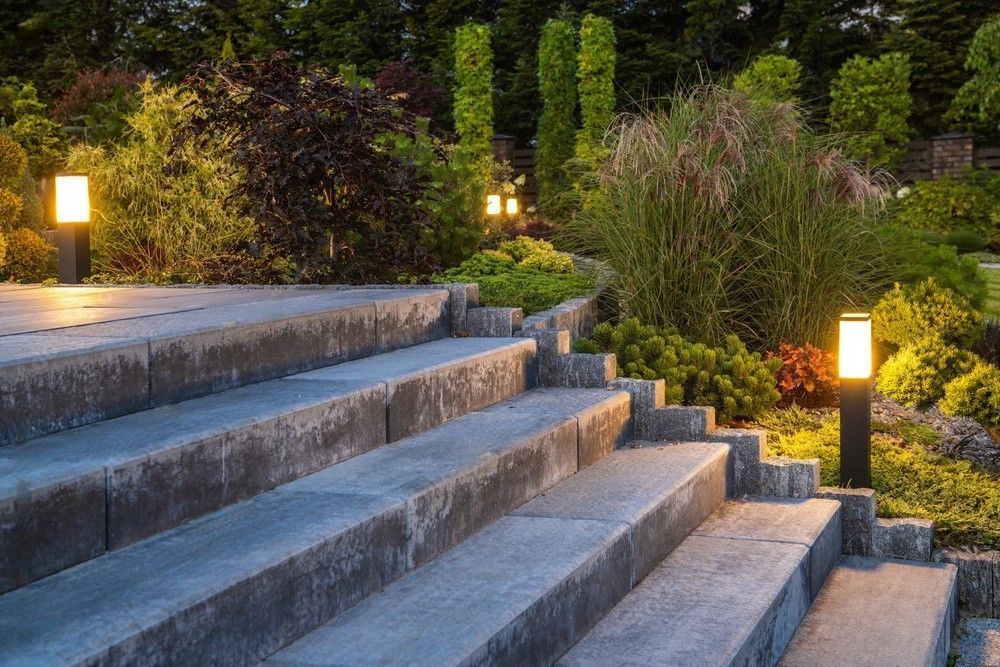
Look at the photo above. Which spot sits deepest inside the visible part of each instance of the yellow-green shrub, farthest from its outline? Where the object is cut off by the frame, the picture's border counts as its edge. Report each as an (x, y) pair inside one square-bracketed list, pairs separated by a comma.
[(975, 394), (907, 313), (29, 258), (736, 382), (917, 374), (538, 254)]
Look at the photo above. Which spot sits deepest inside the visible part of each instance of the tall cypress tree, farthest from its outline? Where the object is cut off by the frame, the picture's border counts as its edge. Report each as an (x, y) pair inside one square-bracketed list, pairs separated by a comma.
[(557, 84), (596, 74), (473, 100)]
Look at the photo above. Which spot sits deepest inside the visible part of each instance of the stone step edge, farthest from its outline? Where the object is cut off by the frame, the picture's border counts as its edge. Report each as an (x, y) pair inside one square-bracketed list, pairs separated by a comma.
[(70, 518), (457, 482)]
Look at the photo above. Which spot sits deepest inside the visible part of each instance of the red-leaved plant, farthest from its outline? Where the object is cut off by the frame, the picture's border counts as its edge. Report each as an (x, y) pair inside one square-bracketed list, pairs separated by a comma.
[(807, 376)]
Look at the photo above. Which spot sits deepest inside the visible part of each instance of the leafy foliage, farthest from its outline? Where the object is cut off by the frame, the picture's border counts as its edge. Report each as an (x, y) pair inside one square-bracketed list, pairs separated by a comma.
[(806, 376), (734, 381), (963, 502), (905, 314), (976, 106), (870, 100), (95, 106), (724, 216), (975, 394), (411, 90), (317, 177), (473, 103), (26, 122), (162, 207), (917, 374), (596, 73), (916, 260), (536, 254), (13, 161), (952, 204), (556, 125), (29, 257), (770, 79), (503, 283)]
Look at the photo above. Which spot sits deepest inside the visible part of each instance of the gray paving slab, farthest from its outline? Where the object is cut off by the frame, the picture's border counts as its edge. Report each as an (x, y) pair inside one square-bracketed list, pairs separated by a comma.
[(813, 522), (879, 613), (236, 583), (47, 321), (662, 493), (978, 642), (712, 601), (514, 593), (168, 465)]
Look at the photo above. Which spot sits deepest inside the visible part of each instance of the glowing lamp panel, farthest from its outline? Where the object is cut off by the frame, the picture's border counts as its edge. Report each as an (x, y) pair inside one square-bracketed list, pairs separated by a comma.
[(855, 355), (493, 205), (72, 199)]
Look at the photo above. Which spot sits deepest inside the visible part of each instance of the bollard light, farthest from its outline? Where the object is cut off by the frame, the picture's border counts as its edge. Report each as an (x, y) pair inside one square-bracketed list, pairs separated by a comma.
[(511, 205), (71, 212), (493, 205), (855, 370)]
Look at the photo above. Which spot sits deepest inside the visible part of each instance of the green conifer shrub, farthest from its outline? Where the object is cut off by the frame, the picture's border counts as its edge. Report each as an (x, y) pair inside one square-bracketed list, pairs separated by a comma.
[(908, 313), (916, 375), (473, 97), (556, 125), (596, 74), (975, 394)]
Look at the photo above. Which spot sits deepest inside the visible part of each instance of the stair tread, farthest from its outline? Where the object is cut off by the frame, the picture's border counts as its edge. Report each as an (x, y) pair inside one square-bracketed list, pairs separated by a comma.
[(704, 603), (878, 612), (461, 606), (75, 614), (59, 456)]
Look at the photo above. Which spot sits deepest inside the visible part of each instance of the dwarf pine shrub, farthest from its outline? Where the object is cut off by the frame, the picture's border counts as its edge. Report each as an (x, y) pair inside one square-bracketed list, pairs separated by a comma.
[(908, 313), (916, 375), (975, 394)]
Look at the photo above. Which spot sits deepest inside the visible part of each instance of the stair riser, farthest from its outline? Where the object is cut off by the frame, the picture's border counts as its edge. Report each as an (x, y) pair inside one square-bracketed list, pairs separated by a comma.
[(245, 623), (46, 395), (61, 525), (660, 531), (556, 621), (446, 514)]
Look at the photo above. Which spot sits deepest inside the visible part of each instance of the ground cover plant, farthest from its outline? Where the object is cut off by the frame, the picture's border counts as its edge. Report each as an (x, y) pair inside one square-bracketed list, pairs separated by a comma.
[(738, 383), (911, 481), (521, 273)]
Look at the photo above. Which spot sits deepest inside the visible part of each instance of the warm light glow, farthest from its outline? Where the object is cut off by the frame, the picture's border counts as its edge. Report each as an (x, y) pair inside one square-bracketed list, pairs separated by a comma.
[(72, 198), (492, 204), (511, 205), (855, 358)]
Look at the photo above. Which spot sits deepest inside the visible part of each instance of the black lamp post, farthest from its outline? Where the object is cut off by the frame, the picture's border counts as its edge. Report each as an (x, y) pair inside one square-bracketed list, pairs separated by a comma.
[(855, 366), (71, 207)]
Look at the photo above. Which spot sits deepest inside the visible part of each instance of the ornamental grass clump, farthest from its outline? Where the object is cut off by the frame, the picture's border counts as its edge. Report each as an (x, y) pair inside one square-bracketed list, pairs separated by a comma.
[(722, 216)]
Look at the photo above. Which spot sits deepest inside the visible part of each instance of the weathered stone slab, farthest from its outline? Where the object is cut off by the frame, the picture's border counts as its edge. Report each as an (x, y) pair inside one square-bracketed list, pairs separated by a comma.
[(584, 370), (551, 344), (976, 589), (602, 416), (857, 514), (683, 423), (50, 383), (782, 477), (712, 601), (518, 592), (421, 317), (909, 539), (748, 448), (493, 322), (578, 316), (813, 523), (231, 587), (662, 494), (874, 612), (648, 396)]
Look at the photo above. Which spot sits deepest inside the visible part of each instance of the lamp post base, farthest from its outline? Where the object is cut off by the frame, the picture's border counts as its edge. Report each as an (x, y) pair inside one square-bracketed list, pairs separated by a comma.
[(73, 241), (856, 433)]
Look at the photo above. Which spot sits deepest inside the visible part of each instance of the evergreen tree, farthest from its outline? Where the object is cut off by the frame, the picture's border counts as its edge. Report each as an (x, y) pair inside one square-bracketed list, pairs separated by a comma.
[(366, 33), (228, 52), (935, 34), (770, 79), (596, 74), (557, 84), (473, 101), (870, 101), (976, 107), (716, 32)]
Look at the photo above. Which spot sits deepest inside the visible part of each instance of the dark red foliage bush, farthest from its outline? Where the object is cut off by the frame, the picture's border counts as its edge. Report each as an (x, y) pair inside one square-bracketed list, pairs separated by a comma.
[(807, 376), (411, 89), (329, 196), (93, 87)]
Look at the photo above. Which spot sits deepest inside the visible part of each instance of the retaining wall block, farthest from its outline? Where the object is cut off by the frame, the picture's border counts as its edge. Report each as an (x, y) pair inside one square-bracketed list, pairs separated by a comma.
[(647, 398), (908, 539), (747, 447), (584, 370), (857, 511), (683, 423), (494, 322), (789, 478), (976, 579)]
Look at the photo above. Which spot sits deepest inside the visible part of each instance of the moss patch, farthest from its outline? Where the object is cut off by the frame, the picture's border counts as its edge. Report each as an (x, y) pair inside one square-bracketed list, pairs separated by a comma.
[(911, 481)]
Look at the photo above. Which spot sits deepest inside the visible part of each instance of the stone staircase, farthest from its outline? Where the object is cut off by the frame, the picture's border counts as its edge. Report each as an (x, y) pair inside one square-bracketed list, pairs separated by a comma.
[(330, 478)]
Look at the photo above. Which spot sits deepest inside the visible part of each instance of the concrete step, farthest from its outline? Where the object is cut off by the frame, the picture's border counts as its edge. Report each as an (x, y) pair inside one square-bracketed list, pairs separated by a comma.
[(884, 613), (730, 594), (524, 589), (74, 356), (236, 585), (72, 495)]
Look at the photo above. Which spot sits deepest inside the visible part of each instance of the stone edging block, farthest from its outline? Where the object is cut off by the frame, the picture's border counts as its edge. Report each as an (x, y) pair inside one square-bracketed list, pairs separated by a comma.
[(494, 322), (789, 478), (978, 579)]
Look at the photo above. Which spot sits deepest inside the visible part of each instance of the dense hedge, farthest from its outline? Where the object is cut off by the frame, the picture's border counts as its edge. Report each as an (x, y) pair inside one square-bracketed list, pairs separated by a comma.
[(596, 74), (556, 125), (473, 102)]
